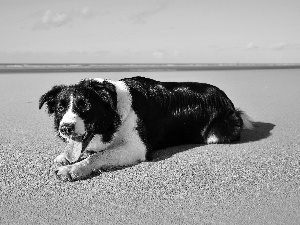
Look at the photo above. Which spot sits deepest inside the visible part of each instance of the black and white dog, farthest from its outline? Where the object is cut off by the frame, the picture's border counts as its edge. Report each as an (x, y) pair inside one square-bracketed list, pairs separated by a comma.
[(119, 123)]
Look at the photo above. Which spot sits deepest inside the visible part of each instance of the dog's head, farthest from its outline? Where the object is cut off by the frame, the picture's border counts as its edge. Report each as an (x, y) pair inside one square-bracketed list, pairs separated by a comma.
[(84, 109)]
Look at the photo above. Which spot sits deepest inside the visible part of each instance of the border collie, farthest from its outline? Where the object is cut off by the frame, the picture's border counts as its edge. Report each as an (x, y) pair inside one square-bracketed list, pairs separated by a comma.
[(109, 124)]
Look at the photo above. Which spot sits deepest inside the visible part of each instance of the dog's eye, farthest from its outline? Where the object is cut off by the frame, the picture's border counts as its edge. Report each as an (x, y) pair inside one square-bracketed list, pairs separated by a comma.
[(62, 105), (83, 105)]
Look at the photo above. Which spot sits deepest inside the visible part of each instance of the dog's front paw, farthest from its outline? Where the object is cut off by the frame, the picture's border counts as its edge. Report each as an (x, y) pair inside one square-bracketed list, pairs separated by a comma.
[(64, 173), (61, 160), (72, 172)]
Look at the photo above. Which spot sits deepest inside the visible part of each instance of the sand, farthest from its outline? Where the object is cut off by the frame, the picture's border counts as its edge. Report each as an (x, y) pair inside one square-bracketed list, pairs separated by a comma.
[(255, 181)]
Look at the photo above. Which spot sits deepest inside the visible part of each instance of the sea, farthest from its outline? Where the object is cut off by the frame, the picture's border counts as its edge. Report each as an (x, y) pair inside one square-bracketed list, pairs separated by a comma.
[(154, 67)]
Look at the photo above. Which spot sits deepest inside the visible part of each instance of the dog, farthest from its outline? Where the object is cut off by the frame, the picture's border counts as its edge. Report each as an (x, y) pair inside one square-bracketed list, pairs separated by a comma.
[(109, 124)]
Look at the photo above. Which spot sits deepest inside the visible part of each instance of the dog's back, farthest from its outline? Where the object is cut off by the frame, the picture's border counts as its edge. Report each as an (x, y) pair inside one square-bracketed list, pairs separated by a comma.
[(172, 113)]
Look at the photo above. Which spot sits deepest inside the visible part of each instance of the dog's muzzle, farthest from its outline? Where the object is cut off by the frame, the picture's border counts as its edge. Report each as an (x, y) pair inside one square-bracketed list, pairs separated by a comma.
[(72, 130), (67, 129), (72, 126)]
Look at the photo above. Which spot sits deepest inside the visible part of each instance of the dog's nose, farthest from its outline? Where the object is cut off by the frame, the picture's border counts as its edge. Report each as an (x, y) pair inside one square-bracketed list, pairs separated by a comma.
[(67, 128)]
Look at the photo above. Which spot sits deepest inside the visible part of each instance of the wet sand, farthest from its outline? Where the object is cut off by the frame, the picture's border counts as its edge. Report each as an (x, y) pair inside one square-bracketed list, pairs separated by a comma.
[(255, 181)]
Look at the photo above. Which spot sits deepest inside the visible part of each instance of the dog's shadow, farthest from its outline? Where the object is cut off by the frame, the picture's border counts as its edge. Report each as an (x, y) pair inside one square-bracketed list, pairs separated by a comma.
[(260, 131)]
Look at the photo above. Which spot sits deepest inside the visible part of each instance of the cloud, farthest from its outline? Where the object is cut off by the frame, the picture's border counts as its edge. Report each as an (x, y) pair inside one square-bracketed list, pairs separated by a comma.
[(279, 46), (143, 16), (251, 46), (51, 19), (176, 53), (86, 12), (276, 47), (158, 54)]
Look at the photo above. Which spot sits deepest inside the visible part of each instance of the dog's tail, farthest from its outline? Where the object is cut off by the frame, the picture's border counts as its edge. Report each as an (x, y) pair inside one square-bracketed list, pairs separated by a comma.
[(247, 121)]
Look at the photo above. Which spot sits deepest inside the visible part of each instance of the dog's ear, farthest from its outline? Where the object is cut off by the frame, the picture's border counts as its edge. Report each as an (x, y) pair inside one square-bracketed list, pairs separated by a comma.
[(105, 90), (49, 98)]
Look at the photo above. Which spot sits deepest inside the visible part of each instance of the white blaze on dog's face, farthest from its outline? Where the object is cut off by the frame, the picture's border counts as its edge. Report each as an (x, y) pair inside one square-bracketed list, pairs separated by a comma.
[(71, 124), (84, 112)]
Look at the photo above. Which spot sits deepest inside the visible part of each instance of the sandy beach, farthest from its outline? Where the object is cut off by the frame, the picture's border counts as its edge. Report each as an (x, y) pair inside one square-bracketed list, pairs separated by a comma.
[(255, 181)]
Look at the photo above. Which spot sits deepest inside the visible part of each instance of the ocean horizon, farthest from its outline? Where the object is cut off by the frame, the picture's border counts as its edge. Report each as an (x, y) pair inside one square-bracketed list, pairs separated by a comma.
[(136, 67)]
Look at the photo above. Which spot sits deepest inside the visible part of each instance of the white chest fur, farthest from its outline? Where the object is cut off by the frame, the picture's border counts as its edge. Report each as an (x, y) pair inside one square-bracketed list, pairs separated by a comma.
[(126, 137)]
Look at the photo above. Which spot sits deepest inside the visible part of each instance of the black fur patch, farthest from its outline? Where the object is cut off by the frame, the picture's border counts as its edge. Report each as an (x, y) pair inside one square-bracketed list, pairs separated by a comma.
[(173, 113)]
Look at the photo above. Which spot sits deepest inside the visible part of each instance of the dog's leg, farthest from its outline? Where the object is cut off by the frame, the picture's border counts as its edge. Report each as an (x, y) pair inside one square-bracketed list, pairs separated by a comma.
[(127, 154), (225, 128)]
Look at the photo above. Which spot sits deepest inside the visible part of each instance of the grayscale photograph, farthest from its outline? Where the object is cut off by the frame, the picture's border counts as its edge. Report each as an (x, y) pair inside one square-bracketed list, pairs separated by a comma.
[(150, 112)]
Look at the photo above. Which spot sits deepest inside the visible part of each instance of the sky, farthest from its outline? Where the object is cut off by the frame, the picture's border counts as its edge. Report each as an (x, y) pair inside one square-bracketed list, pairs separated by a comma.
[(149, 31)]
